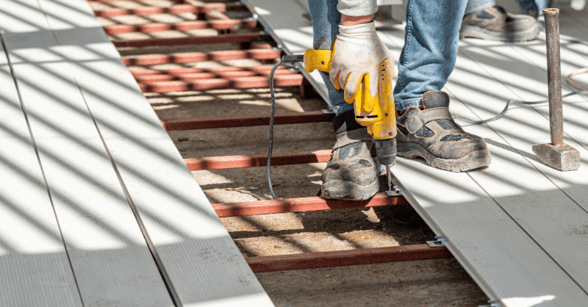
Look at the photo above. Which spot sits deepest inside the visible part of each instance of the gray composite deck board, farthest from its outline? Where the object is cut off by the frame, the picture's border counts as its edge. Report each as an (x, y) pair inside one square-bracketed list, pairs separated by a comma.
[(497, 181), (518, 182), (203, 263), (560, 220), (505, 262), (503, 223), (107, 250), (34, 266), (513, 180)]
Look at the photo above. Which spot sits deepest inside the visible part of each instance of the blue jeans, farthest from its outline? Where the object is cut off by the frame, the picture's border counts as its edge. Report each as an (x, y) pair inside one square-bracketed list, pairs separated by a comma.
[(429, 52), (430, 45), (325, 26)]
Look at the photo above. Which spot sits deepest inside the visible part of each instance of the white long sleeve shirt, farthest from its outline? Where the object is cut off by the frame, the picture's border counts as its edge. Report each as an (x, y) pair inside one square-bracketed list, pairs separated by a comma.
[(357, 7)]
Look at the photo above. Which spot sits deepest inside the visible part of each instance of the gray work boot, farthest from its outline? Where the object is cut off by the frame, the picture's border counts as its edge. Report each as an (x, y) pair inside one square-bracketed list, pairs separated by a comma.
[(498, 25), (351, 172), (431, 134)]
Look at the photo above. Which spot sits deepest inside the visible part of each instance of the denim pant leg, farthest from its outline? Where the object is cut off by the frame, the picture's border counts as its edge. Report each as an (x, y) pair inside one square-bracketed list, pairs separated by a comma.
[(533, 5), (430, 48), (478, 5), (325, 26)]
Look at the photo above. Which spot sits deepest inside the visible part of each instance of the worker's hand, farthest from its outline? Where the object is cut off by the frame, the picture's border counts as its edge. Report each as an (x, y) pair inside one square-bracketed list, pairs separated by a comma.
[(358, 51)]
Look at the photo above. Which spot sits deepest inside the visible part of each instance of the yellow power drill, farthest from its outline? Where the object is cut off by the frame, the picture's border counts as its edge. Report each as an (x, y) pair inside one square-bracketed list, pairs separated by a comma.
[(376, 114)]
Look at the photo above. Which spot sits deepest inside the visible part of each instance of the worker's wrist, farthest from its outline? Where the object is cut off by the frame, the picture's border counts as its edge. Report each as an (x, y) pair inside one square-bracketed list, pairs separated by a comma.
[(355, 20)]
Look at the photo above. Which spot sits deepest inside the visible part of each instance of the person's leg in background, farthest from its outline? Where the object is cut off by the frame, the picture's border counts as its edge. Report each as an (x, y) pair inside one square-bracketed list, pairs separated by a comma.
[(485, 19), (325, 26), (426, 130), (430, 49)]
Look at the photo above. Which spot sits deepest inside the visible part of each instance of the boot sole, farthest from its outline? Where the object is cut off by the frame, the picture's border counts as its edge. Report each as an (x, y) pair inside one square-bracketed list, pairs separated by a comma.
[(344, 190), (481, 33), (474, 160)]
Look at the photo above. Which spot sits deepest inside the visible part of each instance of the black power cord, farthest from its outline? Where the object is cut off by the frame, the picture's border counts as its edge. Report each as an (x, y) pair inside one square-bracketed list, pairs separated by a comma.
[(580, 91), (287, 59), (508, 103)]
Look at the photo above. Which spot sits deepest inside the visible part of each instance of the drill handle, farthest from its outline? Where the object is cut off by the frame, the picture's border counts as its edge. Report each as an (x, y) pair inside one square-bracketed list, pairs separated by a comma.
[(318, 59)]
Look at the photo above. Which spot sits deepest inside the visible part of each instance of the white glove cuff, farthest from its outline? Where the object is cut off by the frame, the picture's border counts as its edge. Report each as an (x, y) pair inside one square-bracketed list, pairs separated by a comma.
[(360, 29)]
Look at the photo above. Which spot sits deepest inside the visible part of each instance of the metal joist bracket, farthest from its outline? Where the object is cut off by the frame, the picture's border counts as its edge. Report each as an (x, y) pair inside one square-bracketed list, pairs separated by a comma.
[(331, 110), (396, 191), (492, 303), (439, 242)]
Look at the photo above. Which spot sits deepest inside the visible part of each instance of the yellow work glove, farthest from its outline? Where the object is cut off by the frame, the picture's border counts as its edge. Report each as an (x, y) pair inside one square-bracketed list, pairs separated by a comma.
[(358, 52)]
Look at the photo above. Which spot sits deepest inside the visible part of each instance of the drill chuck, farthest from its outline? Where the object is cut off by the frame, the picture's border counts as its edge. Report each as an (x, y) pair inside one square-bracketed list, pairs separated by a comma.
[(386, 151), (292, 58)]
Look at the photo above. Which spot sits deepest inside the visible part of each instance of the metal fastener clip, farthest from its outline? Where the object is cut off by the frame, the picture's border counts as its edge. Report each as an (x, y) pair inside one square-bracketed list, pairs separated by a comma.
[(439, 242), (492, 304), (396, 191)]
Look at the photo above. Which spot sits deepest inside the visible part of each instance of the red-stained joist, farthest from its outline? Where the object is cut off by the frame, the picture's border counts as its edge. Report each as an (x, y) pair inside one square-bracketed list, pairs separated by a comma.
[(183, 26), (244, 121), (345, 258), (263, 70), (225, 38), (202, 85), (209, 75), (303, 204), (215, 15), (190, 57), (226, 162), (174, 9)]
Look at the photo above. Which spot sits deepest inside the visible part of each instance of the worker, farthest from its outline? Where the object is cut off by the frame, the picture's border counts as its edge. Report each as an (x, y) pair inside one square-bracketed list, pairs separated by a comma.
[(484, 19), (426, 130)]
